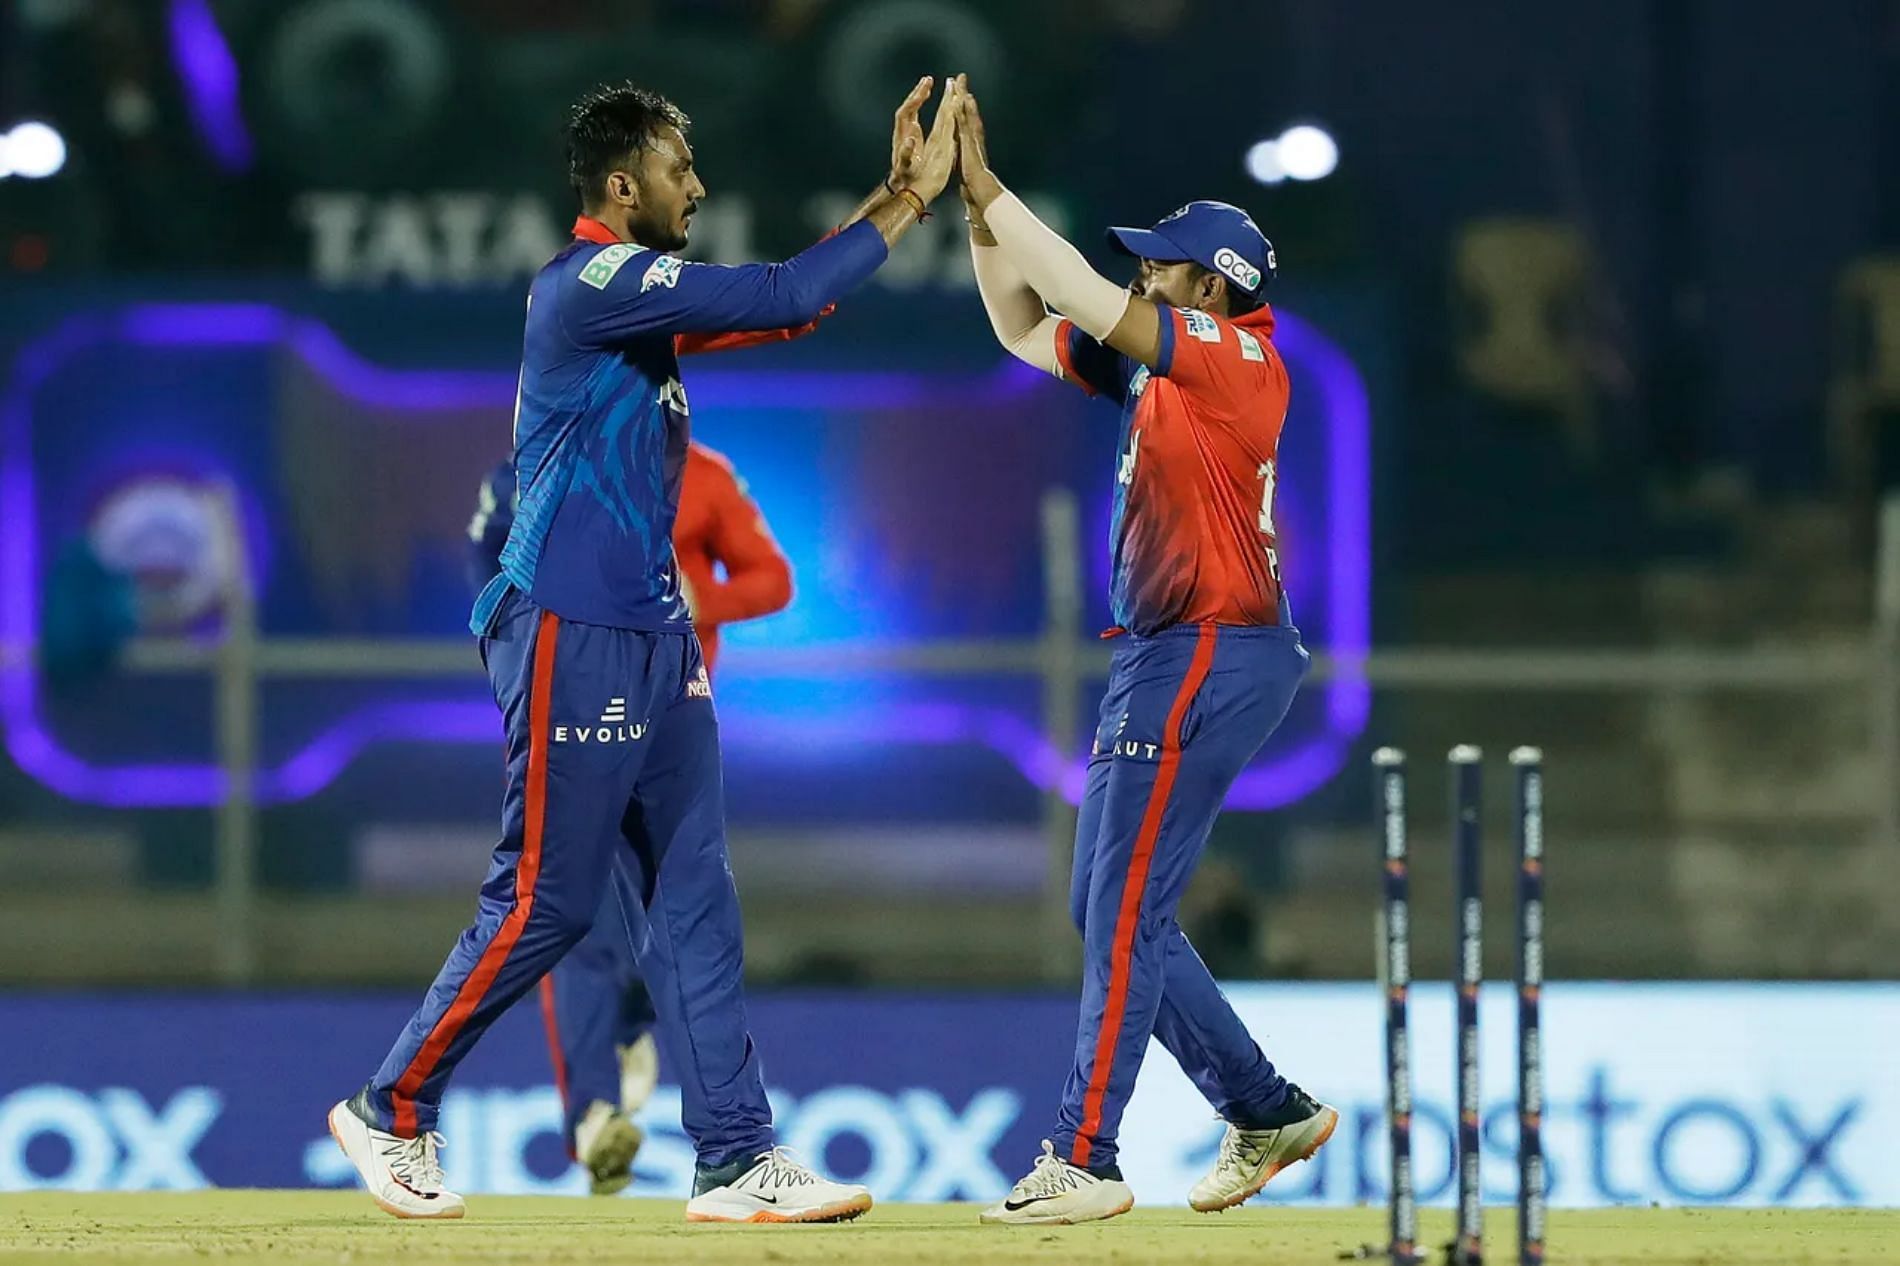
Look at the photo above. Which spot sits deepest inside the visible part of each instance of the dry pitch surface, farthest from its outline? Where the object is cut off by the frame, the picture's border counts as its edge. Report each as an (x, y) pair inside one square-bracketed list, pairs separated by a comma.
[(285, 1228)]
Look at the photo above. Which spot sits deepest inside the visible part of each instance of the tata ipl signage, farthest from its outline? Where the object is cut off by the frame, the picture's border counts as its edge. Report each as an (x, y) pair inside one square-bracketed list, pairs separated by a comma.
[(1745, 1095)]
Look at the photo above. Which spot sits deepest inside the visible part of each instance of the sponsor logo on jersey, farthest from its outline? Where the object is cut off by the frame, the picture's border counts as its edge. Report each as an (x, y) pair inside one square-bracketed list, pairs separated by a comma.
[(1202, 326), (1229, 262), (1249, 346), (1139, 382), (700, 687), (601, 268), (664, 271)]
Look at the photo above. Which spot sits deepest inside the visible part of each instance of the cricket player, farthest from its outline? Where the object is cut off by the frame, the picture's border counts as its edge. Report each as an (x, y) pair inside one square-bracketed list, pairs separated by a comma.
[(1206, 662), (595, 1006), (612, 742)]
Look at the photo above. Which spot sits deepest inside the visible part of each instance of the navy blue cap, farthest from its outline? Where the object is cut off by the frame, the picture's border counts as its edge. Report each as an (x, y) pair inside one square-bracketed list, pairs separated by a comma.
[(1215, 235)]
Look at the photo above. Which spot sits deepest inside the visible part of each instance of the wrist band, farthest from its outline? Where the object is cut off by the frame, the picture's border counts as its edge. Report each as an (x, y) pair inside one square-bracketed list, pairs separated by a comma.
[(916, 202)]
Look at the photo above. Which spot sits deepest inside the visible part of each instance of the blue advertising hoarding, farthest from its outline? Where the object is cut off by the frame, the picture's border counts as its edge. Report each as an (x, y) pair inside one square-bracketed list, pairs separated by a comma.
[(1671, 1094), (354, 474)]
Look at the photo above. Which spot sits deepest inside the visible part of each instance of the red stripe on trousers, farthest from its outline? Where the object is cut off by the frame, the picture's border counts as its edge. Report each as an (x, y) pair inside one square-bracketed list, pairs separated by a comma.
[(553, 1025), (1134, 885), (527, 870)]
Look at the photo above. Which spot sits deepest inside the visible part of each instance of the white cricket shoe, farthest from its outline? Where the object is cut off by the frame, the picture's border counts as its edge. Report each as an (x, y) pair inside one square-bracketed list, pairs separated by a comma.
[(1248, 1158), (1058, 1193), (777, 1188), (606, 1143), (639, 1073), (402, 1175)]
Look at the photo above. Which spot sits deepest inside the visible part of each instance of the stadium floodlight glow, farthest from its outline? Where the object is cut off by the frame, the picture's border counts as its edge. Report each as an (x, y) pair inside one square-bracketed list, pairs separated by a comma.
[(33, 150), (1263, 162), (1307, 152)]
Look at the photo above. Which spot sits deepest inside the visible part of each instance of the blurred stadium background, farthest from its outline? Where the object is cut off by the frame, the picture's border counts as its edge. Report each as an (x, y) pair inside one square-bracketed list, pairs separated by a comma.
[(1593, 315)]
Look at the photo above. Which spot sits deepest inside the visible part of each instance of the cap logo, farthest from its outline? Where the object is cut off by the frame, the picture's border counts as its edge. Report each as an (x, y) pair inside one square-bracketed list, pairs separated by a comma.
[(1175, 215), (1238, 269)]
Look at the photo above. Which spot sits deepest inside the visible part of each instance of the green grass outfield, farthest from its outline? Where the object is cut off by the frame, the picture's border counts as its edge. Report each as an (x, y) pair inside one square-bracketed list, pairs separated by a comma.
[(289, 1227)]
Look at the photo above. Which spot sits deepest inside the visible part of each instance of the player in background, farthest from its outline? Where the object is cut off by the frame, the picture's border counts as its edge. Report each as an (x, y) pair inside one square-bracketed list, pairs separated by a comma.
[(612, 741), (1206, 663), (598, 1015)]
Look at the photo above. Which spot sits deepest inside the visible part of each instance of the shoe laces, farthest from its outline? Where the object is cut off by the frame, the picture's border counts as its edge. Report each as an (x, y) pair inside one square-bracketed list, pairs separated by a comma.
[(414, 1161), (1051, 1176), (1242, 1149), (781, 1167)]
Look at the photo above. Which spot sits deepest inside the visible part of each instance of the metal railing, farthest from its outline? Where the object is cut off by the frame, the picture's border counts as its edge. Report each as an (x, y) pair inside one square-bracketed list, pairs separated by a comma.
[(1060, 657)]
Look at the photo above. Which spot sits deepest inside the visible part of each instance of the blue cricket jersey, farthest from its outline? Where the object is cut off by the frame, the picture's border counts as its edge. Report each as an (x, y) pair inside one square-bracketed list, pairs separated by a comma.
[(488, 530), (601, 420)]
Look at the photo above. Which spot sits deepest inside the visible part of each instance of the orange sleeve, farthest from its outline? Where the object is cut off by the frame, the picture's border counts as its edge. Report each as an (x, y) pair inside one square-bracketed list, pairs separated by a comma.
[(694, 344), (1065, 357), (1221, 365), (758, 577)]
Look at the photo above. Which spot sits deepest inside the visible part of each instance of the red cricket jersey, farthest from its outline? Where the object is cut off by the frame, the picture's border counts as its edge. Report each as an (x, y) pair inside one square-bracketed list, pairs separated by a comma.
[(1193, 529), (719, 525)]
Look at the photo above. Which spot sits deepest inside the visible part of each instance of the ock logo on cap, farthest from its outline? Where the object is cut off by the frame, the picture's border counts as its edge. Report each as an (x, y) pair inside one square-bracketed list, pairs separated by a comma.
[(1229, 262)]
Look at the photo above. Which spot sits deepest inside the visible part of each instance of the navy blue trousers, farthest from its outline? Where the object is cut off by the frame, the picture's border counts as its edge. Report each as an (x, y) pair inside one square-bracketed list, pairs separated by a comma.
[(613, 752), (594, 1002), (1185, 711)]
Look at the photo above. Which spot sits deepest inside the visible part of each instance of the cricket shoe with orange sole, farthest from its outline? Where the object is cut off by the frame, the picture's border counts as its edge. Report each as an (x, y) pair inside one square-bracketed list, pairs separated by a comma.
[(773, 1187), (1250, 1156), (403, 1176)]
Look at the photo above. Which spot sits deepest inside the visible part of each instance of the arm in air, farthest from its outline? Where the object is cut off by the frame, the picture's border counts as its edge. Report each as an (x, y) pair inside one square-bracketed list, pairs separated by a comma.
[(1051, 267), (1017, 316), (644, 292), (623, 292), (698, 344)]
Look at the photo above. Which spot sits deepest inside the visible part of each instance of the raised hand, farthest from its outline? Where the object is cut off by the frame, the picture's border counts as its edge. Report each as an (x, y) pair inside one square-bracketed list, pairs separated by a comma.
[(980, 186), (973, 152), (931, 173), (907, 133)]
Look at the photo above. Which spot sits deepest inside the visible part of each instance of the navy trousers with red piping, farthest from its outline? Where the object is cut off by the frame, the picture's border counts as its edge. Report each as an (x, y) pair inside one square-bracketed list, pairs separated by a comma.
[(612, 751), (594, 1002), (1185, 711)]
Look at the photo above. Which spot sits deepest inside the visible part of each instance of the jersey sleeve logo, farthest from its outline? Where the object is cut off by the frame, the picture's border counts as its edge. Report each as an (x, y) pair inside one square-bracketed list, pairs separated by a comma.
[(1138, 383), (664, 271), (601, 268), (1249, 346), (1202, 326)]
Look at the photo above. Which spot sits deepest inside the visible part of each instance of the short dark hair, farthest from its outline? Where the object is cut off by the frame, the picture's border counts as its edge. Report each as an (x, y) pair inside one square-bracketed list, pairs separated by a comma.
[(1239, 302), (609, 124)]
